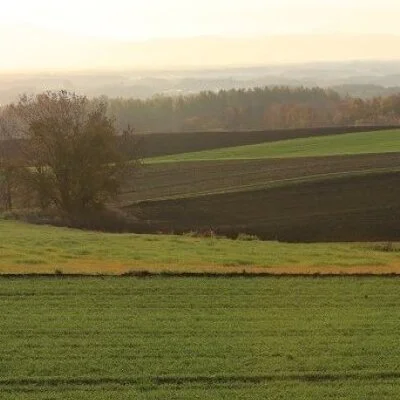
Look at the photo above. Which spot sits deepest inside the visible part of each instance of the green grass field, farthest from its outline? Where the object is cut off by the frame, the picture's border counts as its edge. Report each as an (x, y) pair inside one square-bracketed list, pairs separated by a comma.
[(28, 248), (188, 338), (351, 143)]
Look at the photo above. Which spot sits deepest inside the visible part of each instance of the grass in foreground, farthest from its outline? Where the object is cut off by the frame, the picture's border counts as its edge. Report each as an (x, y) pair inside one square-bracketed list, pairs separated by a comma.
[(28, 248), (344, 144), (275, 338)]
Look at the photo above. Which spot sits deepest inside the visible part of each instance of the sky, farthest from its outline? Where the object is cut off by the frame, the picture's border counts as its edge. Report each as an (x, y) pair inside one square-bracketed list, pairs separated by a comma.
[(138, 19), (40, 24)]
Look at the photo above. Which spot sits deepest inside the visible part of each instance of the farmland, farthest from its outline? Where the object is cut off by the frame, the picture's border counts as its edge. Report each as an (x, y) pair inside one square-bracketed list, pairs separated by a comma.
[(297, 193), (188, 179), (202, 315), (185, 338), (269, 268), (350, 208), (161, 144), (332, 187), (350, 143), (29, 249)]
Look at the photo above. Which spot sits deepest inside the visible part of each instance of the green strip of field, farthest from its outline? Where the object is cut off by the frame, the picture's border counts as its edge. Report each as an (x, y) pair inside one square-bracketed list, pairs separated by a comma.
[(344, 144), (28, 248), (187, 338)]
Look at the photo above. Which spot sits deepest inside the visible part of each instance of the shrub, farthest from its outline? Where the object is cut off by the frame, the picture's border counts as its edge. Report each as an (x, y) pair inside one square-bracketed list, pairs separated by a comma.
[(246, 237)]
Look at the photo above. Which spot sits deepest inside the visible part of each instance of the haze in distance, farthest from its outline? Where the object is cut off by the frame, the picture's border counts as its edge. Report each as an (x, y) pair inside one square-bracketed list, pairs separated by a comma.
[(46, 35)]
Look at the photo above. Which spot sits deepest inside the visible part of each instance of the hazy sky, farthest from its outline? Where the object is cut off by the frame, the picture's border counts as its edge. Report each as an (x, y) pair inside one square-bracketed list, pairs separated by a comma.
[(24, 21), (144, 19)]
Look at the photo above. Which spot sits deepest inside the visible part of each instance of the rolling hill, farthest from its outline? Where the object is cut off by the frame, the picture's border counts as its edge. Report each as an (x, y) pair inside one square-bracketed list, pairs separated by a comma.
[(320, 188), (174, 180), (351, 208), (349, 143)]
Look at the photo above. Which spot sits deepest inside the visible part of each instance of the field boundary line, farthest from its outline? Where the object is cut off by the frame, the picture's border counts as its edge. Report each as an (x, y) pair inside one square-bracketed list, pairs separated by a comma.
[(201, 379), (217, 275)]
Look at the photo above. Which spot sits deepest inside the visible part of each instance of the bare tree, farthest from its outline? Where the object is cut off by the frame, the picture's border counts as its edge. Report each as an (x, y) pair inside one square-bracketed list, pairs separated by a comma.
[(70, 150)]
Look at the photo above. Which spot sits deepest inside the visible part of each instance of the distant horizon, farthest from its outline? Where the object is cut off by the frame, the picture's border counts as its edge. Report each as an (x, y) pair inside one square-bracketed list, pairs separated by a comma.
[(67, 53), (193, 69)]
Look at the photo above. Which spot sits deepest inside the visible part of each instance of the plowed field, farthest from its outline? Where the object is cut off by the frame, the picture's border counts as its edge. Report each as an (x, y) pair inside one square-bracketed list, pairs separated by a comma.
[(158, 181), (361, 208)]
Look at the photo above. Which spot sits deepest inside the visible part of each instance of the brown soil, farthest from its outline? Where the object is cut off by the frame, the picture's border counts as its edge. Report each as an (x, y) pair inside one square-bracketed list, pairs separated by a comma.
[(362, 208), (192, 178)]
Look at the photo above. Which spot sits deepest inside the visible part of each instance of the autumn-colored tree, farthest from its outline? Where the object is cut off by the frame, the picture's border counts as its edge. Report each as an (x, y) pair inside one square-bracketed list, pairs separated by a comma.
[(71, 151)]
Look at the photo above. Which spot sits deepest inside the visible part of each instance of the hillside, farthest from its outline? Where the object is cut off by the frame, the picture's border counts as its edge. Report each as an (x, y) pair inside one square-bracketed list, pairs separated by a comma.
[(333, 186), (167, 143), (355, 208), (32, 249), (320, 188), (350, 143), (188, 179)]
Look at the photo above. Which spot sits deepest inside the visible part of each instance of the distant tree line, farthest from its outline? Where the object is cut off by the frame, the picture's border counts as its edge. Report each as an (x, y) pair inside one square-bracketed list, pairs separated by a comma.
[(253, 109)]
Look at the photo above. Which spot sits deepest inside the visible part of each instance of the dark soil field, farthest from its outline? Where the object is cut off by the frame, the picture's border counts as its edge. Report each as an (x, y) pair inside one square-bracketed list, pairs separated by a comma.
[(174, 180), (354, 208), (332, 198)]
